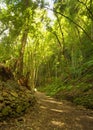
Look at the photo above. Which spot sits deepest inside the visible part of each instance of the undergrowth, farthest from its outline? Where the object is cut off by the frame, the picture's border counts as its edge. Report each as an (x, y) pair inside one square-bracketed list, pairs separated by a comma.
[(81, 94)]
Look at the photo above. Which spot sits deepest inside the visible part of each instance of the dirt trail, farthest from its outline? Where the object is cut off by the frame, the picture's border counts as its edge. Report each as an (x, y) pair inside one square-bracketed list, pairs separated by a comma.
[(52, 115)]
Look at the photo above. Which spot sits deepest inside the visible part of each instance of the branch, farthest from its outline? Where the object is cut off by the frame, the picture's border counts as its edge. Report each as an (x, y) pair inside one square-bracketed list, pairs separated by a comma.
[(3, 30), (60, 27), (58, 41), (90, 12), (71, 21)]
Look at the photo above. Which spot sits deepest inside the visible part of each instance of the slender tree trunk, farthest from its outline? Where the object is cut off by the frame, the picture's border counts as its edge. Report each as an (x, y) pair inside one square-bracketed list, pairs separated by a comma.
[(23, 41), (21, 57)]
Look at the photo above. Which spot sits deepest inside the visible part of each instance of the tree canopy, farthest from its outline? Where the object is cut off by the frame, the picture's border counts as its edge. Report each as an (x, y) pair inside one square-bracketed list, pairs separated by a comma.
[(58, 47)]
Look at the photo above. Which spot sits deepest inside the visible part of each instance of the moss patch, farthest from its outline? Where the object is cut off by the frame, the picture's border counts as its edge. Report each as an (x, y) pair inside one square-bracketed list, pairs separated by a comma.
[(14, 99)]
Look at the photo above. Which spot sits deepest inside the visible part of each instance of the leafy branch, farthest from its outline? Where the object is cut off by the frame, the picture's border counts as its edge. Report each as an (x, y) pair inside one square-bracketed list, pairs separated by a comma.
[(54, 10), (90, 12)]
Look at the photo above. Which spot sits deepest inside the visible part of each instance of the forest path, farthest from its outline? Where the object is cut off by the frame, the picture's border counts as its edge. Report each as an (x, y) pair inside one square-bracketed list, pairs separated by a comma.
[(51, 114)]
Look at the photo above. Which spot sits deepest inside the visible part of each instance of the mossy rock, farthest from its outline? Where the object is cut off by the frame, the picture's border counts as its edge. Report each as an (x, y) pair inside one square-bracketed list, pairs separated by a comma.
[(19, 109), (6, 111), (14, 102), (4, 93), (14, 94), (1, 98), (1, 106), (14, 98)]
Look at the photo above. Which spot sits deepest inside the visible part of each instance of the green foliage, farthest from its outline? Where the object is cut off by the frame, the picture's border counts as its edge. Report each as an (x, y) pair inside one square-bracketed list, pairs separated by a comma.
[(86, 100), (53, 88), (6, 110), (57, 52), (79, 95)]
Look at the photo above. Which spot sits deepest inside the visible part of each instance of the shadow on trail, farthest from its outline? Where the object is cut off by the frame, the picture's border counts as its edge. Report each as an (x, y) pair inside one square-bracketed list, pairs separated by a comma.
[(63, 115), (51, 114)]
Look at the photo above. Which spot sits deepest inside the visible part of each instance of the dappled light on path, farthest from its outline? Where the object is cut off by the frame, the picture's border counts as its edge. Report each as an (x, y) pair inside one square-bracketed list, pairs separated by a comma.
[(50, 114), (56, 110), (64, 115), (58, 123), (43, 107), (51, 101)]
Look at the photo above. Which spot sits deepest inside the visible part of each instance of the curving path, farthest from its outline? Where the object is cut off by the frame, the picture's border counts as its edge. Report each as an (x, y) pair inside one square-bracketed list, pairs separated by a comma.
[(51, 114)]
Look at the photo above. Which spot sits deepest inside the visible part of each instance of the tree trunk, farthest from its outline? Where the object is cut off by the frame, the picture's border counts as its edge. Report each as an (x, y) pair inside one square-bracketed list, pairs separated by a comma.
[(21, 56)]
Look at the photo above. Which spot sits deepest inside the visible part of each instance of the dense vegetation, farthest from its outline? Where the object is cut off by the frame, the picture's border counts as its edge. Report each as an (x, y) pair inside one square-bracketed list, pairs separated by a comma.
[(52, 53)]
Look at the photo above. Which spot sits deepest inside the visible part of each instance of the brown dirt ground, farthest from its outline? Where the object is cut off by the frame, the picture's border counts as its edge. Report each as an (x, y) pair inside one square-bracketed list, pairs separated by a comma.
[(51, 114)]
